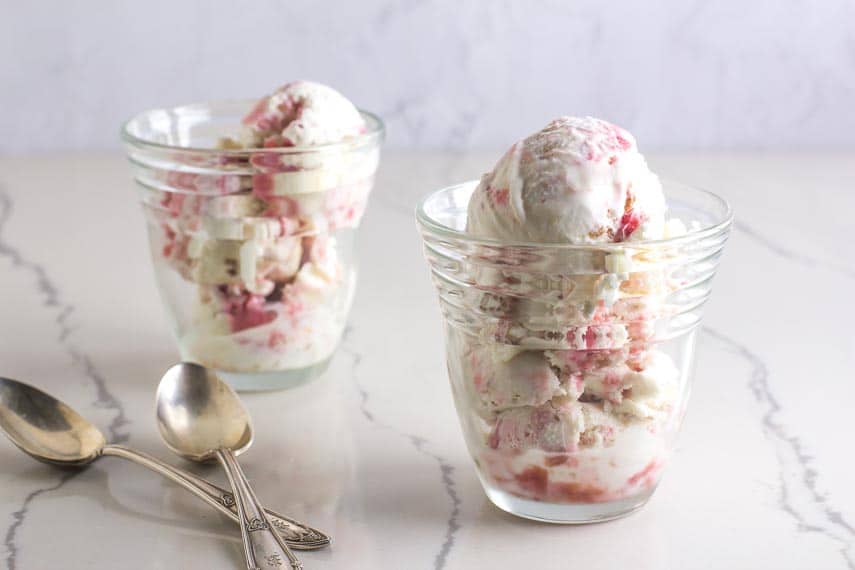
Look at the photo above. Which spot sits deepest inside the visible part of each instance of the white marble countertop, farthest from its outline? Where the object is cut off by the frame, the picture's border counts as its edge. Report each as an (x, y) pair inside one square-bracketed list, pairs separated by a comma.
[(372, 452)]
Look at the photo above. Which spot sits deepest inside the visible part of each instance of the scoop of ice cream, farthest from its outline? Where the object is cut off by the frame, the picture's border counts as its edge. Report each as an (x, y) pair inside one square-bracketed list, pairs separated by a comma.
[(560, 425), (503, 379), (303, 113), (579, 180), (642, 385)]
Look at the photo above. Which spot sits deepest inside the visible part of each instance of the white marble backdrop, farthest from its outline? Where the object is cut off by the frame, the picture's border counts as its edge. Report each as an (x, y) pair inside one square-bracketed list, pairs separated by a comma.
[(444, 73)]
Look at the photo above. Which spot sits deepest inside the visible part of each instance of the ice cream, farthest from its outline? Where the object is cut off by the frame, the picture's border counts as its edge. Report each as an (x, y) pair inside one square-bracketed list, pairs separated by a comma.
[(303, 113), (261, 239), (569, 399), (578, 180)]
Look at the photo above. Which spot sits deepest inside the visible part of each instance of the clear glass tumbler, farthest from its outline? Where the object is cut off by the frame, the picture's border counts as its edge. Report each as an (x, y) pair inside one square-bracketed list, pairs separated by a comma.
[(253, 249), (570, 365)]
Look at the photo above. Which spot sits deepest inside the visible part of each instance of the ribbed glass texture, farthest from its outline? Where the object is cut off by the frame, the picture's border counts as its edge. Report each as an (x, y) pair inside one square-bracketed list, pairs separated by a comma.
[(252, 248), (571, 364)]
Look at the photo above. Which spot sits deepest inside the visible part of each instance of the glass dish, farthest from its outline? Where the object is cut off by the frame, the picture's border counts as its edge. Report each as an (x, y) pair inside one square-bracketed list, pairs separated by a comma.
[(253, 249), (570, 365)]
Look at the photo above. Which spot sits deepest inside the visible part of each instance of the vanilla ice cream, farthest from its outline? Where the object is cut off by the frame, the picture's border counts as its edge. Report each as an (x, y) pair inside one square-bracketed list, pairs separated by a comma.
[(578, 180), (302, 113), (570, 398), (261, 241)]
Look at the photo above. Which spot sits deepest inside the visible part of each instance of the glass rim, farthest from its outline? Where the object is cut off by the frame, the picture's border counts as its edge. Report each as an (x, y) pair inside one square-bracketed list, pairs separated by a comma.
[(431, 225), (376, 131)]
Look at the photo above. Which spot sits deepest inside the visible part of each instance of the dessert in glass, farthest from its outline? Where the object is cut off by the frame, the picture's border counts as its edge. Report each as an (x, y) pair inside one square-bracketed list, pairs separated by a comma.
[(571, 281), (252, 209)]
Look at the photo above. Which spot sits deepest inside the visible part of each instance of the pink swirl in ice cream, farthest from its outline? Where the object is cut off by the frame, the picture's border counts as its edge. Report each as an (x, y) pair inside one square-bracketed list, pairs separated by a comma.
[(578, 180), (303, 113), (259, 238), (584, 421)]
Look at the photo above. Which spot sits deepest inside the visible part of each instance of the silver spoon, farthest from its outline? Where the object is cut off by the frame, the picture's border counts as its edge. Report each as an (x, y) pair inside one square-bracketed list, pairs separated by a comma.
[(201, 418), (48, 430)]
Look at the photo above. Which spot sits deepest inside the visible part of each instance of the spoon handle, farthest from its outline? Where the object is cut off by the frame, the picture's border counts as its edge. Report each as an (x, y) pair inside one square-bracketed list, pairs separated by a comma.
[(296, 534), (261, 544)]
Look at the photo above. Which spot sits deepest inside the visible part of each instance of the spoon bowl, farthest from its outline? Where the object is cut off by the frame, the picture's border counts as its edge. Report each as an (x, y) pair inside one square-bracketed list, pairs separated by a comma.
[(197, 414), (50, 431), (45, 428), (201, 418)]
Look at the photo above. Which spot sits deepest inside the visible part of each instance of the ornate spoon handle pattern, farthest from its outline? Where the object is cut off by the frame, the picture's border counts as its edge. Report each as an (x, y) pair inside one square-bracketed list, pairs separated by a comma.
[(261, 543)]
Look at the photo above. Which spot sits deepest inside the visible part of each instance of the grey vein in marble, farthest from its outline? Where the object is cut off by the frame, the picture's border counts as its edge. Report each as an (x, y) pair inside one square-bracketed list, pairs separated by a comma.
[(800, 258), (419, 443), (20, 515), (105, 398), (453, 524), (52, 300), (796, 471)]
